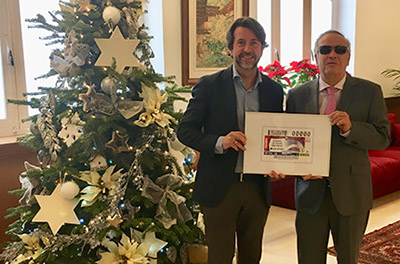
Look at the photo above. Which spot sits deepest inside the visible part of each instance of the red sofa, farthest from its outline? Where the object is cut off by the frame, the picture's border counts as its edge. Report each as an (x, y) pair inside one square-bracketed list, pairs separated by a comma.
[(385, 170)]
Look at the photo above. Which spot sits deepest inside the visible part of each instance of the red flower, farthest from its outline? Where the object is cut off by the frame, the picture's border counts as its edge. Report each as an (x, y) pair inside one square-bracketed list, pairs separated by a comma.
[(274, 69), (298, 72), (304, 67)]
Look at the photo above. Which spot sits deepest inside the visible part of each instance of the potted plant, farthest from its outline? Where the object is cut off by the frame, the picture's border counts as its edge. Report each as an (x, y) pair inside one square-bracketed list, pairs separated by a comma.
[(395, 74)]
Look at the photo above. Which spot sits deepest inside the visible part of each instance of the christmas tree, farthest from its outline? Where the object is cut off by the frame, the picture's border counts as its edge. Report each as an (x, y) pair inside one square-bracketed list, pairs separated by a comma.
[(112, 183)]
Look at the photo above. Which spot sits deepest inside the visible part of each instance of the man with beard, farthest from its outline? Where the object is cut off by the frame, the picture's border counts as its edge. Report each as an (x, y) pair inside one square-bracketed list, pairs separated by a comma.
[(234, 204)]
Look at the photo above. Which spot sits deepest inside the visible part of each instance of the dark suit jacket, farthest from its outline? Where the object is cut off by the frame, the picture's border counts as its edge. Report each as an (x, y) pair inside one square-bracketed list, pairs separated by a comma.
[(350, 173), (212, 113)]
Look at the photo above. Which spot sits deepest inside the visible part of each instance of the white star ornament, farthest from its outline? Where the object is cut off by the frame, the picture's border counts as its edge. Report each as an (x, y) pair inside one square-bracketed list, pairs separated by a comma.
[(119, 48), (56, 210)]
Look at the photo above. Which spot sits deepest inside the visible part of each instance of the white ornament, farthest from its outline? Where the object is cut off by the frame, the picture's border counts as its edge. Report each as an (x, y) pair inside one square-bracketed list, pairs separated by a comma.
[(200, 223), (71, 129), (150, 239), (111, 13), (98, 163), (69, 190)]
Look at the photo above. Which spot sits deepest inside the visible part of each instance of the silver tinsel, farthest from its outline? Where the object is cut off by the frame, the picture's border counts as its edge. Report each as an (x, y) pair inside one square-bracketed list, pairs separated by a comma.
[(12, 251), (135, 168), (46, 127), (89, 238)]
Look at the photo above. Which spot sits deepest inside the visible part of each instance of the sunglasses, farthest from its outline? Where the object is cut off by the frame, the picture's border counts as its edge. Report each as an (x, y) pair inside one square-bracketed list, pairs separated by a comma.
[(327, 49)]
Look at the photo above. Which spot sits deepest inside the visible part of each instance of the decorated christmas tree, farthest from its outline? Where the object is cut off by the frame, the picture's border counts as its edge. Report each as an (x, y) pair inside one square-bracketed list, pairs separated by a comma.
[(112, 183)]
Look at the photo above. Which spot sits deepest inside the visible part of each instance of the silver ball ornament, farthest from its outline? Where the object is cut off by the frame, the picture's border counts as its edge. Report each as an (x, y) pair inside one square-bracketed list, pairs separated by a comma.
[(108, 85), (33, 127), (111, 13), (191, 157)]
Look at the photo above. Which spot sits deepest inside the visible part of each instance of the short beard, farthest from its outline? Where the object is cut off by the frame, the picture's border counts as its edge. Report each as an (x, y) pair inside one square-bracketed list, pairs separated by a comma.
[(246, 67)]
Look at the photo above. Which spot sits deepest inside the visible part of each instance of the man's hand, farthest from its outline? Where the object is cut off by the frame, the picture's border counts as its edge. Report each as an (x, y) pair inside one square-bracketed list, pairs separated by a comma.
[(311, 177), (275, 175), (341, 119), (235, 140)]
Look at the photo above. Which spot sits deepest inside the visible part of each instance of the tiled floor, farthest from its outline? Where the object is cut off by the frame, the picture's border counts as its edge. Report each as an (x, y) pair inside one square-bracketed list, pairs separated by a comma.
[(279, 245)]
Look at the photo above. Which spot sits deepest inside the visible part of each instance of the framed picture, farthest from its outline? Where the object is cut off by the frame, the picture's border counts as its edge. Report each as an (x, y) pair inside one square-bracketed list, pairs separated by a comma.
[(204, 27), (293, 144)]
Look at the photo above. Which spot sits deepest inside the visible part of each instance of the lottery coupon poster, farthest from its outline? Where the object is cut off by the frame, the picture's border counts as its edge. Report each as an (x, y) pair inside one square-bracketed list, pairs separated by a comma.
[(292, 144)]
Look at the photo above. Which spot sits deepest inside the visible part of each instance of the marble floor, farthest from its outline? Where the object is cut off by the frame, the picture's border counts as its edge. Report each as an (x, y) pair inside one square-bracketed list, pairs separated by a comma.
[(279, 244)]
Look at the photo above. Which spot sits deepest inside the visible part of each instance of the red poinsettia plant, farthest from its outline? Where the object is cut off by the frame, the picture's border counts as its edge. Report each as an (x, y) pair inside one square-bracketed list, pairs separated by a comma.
[(297, 73)]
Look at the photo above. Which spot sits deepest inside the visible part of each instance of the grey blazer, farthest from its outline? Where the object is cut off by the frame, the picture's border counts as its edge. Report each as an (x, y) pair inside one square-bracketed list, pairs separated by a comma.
[(350, 173)]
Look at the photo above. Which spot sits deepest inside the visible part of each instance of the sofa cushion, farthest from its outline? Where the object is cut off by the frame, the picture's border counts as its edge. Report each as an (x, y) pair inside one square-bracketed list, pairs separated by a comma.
[(392, 120), (384, 169), (396, 130), (392, 152)]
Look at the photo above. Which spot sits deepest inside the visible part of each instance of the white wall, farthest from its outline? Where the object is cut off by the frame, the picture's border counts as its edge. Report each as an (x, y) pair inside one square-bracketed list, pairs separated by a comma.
[(172, 36), (377, 40), (372, 26), (172, 39), (344, 20)]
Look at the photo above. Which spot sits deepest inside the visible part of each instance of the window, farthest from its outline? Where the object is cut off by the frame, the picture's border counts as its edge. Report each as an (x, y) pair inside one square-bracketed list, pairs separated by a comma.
[(12, 83), (156, 31), (24, 56), (291, 31), (292, 27), (2, 99), (36, 52)]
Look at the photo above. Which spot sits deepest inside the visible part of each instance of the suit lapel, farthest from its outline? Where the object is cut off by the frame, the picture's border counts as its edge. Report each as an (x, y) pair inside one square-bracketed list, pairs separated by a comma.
[(263, 98), (314, 96), (310, 97), (348, 93), (228, 95)]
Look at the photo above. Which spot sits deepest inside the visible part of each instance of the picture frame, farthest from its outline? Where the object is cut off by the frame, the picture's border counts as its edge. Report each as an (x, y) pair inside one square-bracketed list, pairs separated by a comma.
[(204, 47), (292, 144)]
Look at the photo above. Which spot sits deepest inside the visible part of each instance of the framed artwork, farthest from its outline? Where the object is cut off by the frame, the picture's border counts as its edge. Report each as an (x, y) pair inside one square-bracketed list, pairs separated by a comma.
[(204, 27)]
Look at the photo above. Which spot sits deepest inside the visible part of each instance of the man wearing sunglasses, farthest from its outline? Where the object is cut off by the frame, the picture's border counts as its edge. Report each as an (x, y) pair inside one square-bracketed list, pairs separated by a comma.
[(339, 203)]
